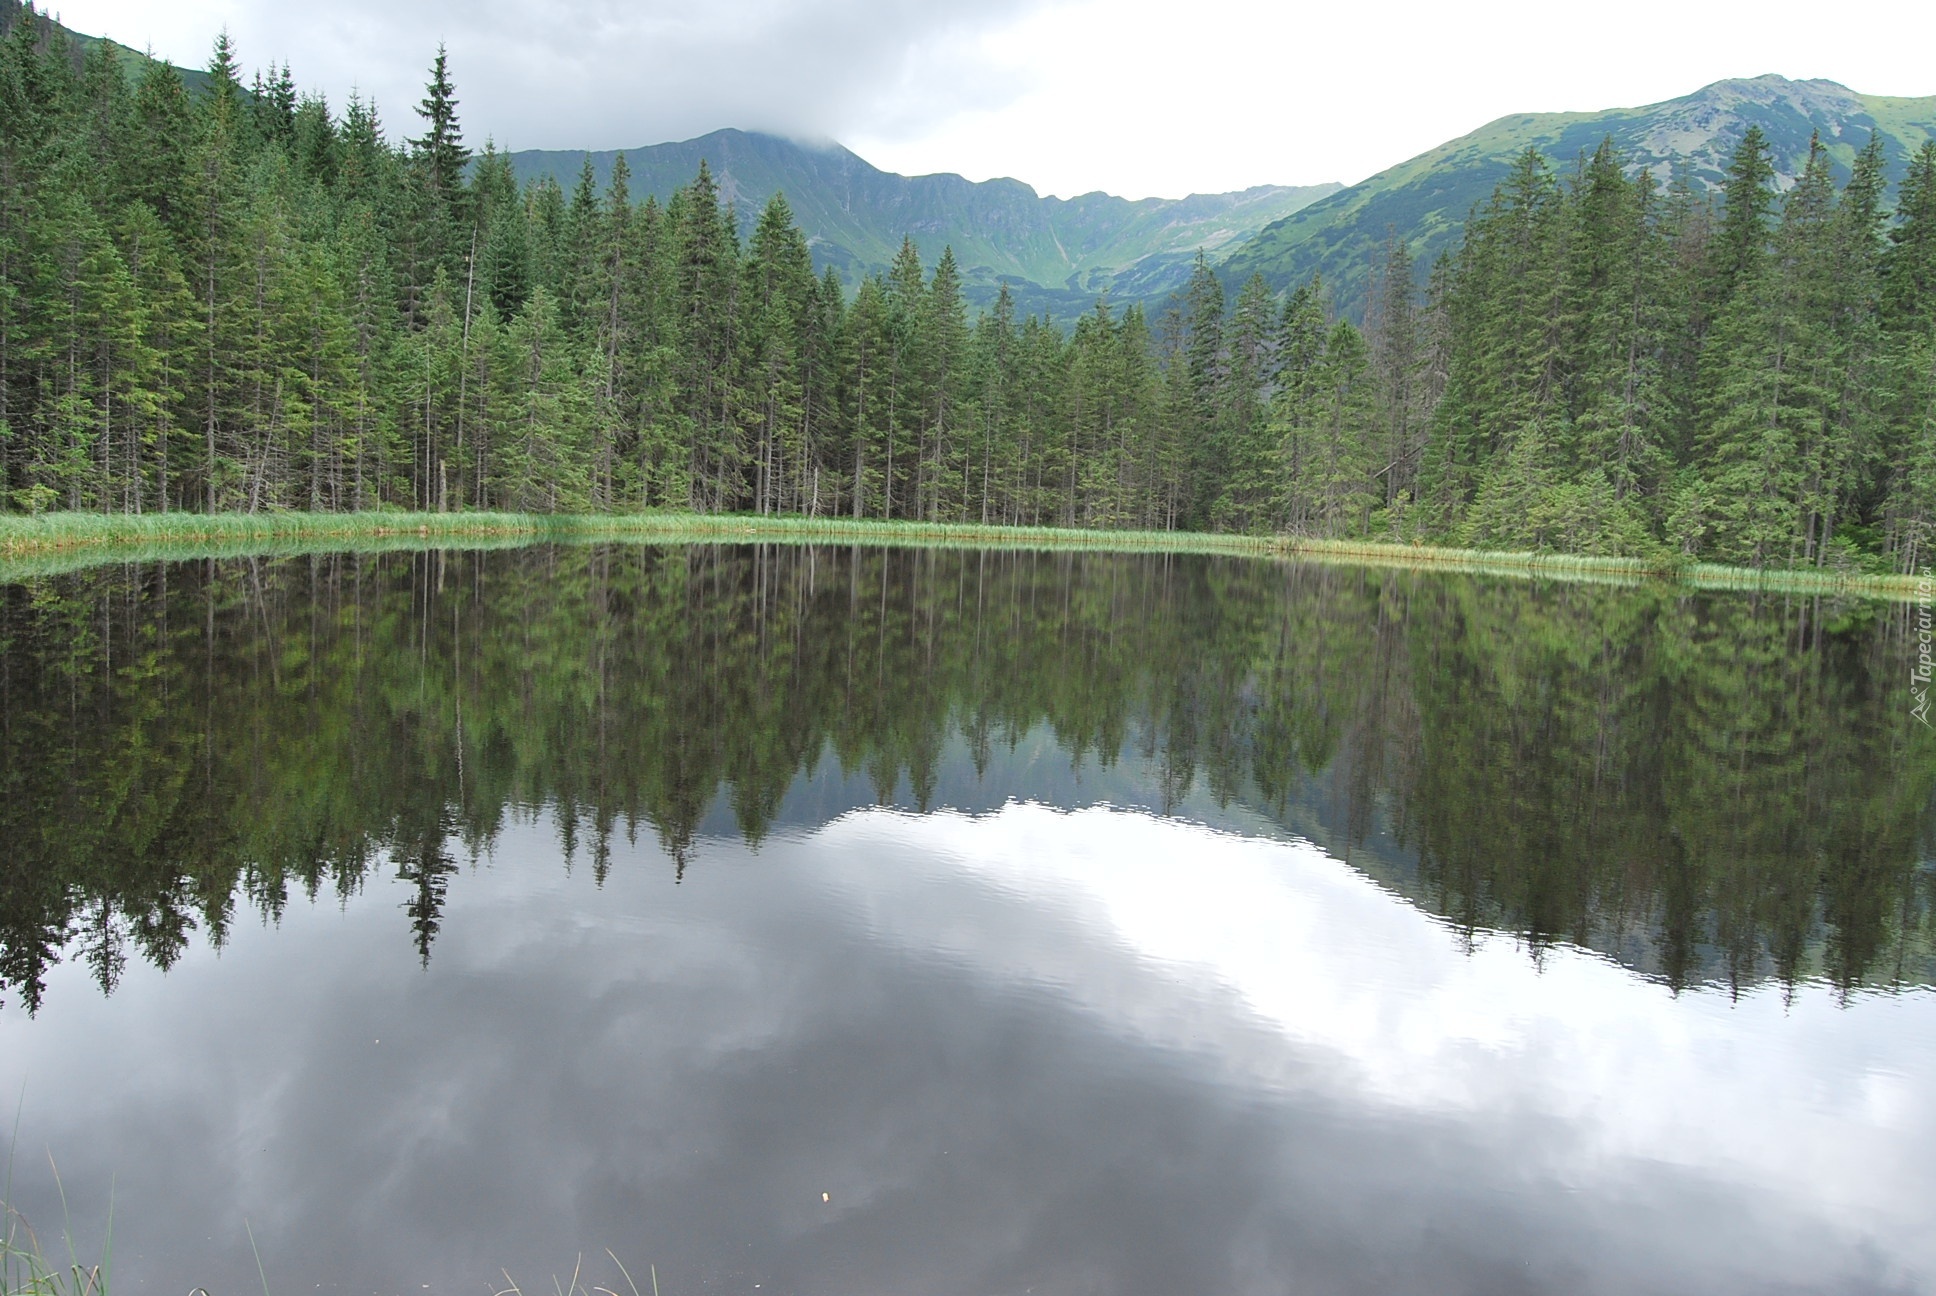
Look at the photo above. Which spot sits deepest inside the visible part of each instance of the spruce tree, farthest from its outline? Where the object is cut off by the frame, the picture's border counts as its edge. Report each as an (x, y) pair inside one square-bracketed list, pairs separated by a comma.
[(1242, 425), (996, 366), (1393, 334), (1508, 321), (907, 382), (708, 313), (1764, 449), (945, 329), (867, 364), (1343, 436), (1297, 409), (780, 298), (1908, 268), (438, 162), (1613, 361), (1907, 317), (1741, 240)]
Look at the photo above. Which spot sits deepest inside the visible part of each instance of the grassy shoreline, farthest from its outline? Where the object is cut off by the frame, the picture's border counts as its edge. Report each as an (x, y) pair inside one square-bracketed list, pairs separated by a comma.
[(44, 545)]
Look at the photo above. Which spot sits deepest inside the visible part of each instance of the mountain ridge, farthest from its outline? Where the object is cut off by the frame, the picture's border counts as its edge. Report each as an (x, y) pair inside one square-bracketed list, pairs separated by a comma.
[(1425, 199), (130, 58), (1056, 254), (1059, 255)]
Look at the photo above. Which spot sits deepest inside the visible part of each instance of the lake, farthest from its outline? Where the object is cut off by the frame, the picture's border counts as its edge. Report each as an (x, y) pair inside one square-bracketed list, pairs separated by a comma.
[(832, 920)]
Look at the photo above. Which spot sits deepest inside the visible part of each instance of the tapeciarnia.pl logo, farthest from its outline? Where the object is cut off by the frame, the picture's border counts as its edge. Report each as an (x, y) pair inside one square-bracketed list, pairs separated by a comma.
[(1920, 673)]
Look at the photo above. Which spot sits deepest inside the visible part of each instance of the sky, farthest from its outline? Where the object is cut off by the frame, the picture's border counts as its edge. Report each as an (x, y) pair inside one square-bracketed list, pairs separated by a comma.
[(1132, 97)]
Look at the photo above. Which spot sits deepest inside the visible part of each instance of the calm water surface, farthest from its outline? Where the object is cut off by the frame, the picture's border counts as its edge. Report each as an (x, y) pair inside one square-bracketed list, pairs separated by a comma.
[(835, 921)]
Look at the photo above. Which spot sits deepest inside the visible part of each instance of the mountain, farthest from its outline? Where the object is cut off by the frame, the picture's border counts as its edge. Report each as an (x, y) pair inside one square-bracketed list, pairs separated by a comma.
[(1425, 200), (1057, 254), (132, 60)]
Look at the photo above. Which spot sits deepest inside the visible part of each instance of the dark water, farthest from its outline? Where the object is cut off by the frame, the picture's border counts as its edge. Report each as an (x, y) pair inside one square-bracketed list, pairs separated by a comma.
[(834, 921)]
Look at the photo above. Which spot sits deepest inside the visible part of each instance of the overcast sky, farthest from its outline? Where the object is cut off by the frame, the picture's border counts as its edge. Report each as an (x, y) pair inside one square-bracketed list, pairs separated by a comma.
[(1136, 97)]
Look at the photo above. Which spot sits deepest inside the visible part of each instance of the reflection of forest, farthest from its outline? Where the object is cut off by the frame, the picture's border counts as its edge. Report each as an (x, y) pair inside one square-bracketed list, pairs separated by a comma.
[(1707, 787)]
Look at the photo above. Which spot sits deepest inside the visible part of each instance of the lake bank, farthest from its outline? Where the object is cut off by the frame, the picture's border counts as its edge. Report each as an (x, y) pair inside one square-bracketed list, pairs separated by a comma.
[(50, 543)]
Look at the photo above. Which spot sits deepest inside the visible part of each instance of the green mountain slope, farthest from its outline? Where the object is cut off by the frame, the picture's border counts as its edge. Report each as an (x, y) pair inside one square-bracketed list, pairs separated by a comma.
[(1057, 254), (1425, 200), (132, 60)]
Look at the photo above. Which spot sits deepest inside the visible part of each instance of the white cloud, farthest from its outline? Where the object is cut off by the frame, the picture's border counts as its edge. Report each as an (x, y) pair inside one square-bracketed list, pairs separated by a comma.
[(1148, 97), (611, 73), (1135, 97)]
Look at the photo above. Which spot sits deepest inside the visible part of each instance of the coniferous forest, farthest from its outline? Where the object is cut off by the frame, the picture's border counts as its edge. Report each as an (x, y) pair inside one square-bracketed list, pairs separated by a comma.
[(236, 296)]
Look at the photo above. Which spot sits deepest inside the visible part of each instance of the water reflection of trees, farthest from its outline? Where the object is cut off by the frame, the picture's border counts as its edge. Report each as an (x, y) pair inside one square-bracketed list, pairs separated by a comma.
[(1706, 787)]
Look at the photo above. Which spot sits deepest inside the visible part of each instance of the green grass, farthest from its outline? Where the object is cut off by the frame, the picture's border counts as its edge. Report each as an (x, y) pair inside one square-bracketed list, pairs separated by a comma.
[(25, 1271), (51, 543), (25, 1268)]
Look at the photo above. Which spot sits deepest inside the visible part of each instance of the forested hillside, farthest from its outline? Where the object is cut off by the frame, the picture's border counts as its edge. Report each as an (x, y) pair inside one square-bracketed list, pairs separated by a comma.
[(81, 45), (249, 300), (1425, 200), (1056, 255)]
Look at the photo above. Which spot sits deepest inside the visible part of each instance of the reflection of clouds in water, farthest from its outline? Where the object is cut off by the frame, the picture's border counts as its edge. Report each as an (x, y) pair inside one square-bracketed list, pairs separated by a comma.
[(1069, 1051), (1806, 1099), (1328, 958)]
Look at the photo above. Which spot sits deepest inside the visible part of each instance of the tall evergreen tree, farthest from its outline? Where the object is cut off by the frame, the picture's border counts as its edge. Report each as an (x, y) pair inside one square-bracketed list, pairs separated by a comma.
[(441, 228), (1741, 240)]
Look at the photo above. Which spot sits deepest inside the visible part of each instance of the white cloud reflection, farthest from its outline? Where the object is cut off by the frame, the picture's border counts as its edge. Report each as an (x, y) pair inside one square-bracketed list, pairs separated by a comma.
[(1065, 1050), (1810, 1100)]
